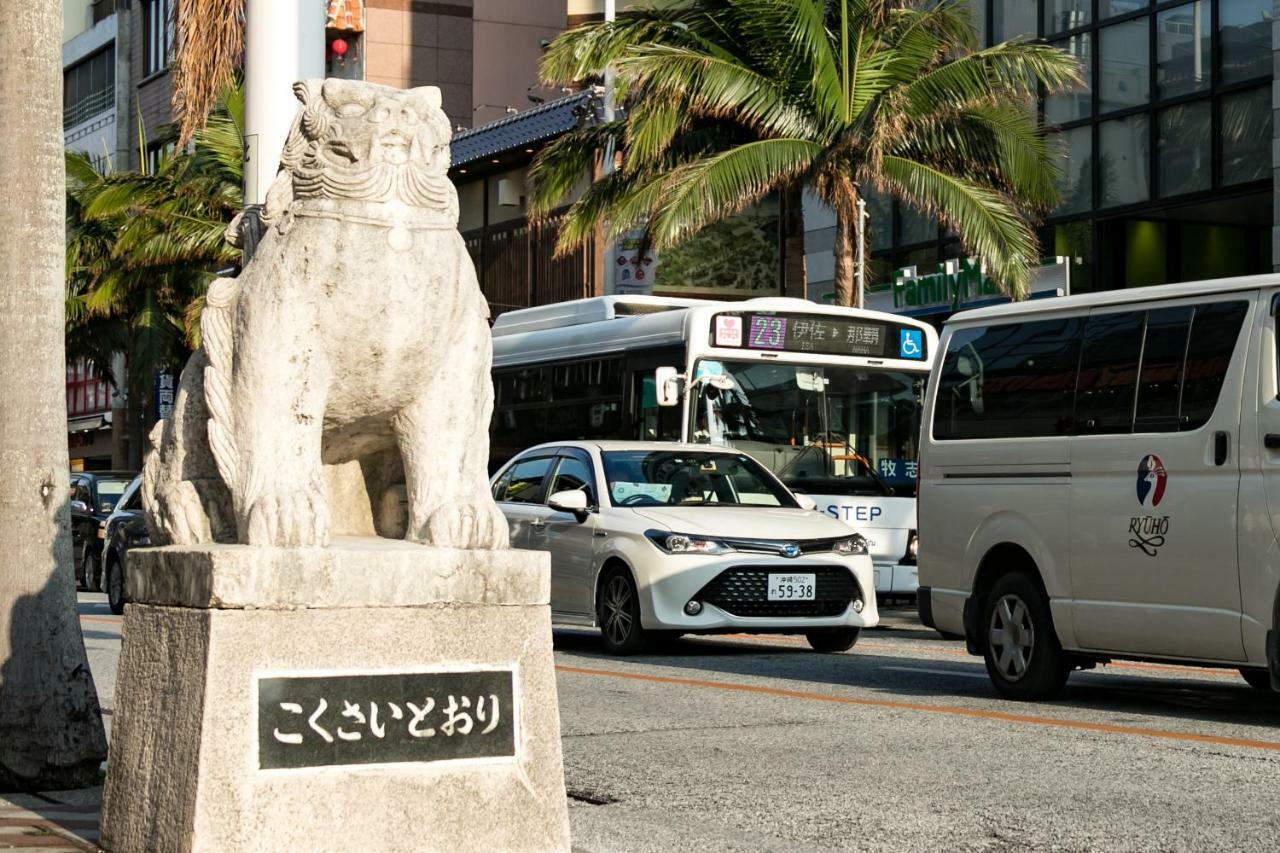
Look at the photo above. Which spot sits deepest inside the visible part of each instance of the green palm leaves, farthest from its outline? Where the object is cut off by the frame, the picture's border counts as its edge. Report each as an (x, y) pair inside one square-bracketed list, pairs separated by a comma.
[(142, 246), (728, 100)]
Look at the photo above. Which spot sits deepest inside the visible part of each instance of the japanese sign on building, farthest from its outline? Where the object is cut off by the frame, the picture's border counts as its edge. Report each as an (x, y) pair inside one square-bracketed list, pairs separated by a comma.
[(316, 721)]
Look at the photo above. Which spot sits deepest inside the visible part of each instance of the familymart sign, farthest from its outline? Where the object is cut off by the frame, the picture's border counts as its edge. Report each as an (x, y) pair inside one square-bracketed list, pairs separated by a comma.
[(959, 284)]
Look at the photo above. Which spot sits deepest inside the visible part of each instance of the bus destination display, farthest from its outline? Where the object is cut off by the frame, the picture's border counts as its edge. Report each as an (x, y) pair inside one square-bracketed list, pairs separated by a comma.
[(804, 333)]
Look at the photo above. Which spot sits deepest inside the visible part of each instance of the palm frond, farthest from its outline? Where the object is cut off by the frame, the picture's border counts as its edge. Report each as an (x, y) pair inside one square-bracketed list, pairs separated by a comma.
[(988, 224)]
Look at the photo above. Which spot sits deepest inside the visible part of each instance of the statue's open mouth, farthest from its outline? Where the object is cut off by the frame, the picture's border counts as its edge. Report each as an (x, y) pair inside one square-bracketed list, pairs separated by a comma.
[(395, 147)]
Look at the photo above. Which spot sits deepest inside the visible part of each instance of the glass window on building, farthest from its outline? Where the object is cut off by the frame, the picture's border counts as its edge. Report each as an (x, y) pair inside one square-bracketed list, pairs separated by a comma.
[(1112, 8), (879, 219), (1073, 240), (978, 18), (1013, 18), (1075, 182), (1185, 159), (1077, 104), (157, 25), (916, 227), (1125, 68), (1183, 63), (1062, 15), (1244, 34), (1124, 157), (1246, 136)]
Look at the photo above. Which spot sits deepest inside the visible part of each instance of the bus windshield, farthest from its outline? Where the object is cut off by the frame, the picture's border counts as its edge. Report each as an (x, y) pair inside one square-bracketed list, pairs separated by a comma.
[(825, 430)]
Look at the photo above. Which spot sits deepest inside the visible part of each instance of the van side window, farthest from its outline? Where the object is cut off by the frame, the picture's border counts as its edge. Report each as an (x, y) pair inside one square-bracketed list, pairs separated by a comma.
[(1214, 331), (1014, 380), (1108, 373), (1163, 354)]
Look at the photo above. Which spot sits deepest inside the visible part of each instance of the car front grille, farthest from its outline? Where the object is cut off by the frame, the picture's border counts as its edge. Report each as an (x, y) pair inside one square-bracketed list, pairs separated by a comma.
[(744, 591)]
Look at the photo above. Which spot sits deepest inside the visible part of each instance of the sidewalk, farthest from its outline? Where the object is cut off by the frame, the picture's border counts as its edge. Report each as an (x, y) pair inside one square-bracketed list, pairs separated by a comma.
[(56, 822)]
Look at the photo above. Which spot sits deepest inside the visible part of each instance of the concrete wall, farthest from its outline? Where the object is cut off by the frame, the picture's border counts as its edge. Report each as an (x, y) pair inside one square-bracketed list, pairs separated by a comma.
[(412, 43), (508, 48)]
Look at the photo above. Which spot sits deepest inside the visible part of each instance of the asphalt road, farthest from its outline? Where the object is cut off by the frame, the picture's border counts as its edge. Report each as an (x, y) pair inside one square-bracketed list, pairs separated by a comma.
[(756, 743)]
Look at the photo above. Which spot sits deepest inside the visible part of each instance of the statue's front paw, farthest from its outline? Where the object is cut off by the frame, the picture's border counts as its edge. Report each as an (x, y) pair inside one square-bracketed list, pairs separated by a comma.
[(289, 518), (468, 524)]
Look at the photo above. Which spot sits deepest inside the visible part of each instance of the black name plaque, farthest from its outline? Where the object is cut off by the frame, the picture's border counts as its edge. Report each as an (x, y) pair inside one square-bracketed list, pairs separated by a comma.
[(318, 721)]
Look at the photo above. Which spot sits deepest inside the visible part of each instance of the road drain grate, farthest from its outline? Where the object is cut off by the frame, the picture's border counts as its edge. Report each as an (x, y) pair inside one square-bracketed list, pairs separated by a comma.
[(592, 797)]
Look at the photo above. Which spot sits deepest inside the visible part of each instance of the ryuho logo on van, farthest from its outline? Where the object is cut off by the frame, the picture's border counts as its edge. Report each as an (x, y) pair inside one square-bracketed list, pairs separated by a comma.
[(1147, 532), (1152, 480)]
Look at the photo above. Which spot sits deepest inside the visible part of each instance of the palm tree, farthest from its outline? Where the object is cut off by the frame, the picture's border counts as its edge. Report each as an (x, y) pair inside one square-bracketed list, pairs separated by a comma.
[(141, 249), (51, 732), (729, 100)]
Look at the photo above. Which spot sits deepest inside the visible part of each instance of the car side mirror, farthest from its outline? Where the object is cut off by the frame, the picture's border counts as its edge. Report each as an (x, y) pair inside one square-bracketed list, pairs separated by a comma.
[(572, 500), (806, 502), (79, 506)]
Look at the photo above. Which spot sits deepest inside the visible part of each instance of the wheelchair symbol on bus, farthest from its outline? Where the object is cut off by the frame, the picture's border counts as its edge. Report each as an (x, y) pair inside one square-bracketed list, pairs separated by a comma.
[(911, 343)]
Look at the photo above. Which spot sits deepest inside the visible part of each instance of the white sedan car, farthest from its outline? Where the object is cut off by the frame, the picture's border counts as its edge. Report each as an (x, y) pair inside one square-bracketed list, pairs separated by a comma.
[(665, 539)]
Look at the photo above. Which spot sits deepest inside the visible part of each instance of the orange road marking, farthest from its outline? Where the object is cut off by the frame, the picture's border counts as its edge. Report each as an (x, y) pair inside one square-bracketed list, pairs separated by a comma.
[(114, 620), (950, 710), (1203, 671)]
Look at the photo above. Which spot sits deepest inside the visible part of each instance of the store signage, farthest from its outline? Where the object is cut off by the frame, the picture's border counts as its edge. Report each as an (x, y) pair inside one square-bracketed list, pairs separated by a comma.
[(955, 283), (958, 284)]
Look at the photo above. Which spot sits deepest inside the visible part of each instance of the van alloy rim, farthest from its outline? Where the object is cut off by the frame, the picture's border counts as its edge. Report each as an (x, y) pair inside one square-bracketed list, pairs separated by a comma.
[(617, 610), (1012, 637)]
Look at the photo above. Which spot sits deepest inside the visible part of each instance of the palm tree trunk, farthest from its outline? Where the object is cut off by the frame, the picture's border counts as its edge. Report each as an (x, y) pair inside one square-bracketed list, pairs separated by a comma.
[(844, 254), (50, 724)]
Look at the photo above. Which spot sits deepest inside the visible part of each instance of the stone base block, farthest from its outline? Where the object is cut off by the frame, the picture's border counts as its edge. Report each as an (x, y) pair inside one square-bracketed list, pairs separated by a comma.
[(256, 729)]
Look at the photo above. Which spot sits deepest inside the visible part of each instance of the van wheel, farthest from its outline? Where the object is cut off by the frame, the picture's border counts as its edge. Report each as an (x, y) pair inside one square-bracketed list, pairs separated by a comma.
[(1023, 656), (832, 639), (1258, 679), (618, 612)]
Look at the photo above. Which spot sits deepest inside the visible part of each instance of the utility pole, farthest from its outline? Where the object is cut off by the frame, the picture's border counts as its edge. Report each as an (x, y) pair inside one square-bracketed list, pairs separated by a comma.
[(609, 250), (862, 261), (284, 43)]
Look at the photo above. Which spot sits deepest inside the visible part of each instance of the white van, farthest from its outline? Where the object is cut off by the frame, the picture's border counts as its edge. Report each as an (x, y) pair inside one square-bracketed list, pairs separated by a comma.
[(1100, 478)]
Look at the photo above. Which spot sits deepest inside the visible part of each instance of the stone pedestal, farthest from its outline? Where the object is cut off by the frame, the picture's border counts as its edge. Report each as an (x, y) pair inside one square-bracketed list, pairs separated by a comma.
[(375, 695)]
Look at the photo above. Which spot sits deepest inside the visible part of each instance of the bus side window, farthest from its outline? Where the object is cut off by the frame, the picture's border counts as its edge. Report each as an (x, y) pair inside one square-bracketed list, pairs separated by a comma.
[(654, 423)]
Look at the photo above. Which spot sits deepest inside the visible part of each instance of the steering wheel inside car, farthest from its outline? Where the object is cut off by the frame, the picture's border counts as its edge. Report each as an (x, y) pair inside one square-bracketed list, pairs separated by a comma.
[(637, 499)]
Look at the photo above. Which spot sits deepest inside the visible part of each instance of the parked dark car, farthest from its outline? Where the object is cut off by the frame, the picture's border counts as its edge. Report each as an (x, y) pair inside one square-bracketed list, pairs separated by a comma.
[(94, 496), (125, 528)]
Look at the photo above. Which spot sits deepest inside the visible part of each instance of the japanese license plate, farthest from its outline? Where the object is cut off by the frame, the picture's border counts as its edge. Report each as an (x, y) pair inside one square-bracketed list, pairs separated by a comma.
[(791, 587)]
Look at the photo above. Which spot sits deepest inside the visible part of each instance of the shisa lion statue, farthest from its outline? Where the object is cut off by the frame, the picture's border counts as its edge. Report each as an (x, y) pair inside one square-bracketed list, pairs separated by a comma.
[(356, 331)]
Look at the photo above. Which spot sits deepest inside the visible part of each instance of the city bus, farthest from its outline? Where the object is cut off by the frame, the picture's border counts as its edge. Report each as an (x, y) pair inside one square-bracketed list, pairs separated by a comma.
[(827, 398)]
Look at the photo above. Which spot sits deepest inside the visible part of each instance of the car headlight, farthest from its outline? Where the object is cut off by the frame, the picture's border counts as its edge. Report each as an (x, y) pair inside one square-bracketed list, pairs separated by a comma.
[(855, 544), (913, 546), (683, 543)]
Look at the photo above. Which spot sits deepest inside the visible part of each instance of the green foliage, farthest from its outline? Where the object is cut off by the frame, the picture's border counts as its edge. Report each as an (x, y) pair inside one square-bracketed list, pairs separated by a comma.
[(143, 246), (728, 100)]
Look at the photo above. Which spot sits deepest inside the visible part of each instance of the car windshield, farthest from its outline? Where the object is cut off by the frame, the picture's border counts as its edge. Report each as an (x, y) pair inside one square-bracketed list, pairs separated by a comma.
[(109, 491), (639, 478), (821, 430)]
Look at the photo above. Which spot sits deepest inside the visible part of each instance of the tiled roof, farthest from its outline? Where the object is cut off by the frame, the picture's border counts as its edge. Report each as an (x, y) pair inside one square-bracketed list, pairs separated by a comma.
[(522, 129)]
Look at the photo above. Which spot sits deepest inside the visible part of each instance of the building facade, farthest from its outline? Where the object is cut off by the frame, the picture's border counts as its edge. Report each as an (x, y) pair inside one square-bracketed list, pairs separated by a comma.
[(1169, 170)]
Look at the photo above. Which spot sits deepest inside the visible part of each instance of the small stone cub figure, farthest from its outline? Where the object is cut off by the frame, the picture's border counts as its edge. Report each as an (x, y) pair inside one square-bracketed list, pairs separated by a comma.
[(358, 329)]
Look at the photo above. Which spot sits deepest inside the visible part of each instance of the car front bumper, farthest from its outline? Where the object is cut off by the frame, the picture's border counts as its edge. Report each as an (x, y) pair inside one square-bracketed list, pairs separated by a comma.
[(665, 590)]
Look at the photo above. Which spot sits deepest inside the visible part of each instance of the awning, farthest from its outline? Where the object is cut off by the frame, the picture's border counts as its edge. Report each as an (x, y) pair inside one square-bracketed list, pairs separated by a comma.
[(89, 423), (345, 15)]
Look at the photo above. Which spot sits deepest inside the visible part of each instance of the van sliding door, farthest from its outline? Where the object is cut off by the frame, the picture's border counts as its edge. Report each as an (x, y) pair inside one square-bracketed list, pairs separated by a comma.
[(1155, 476)]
